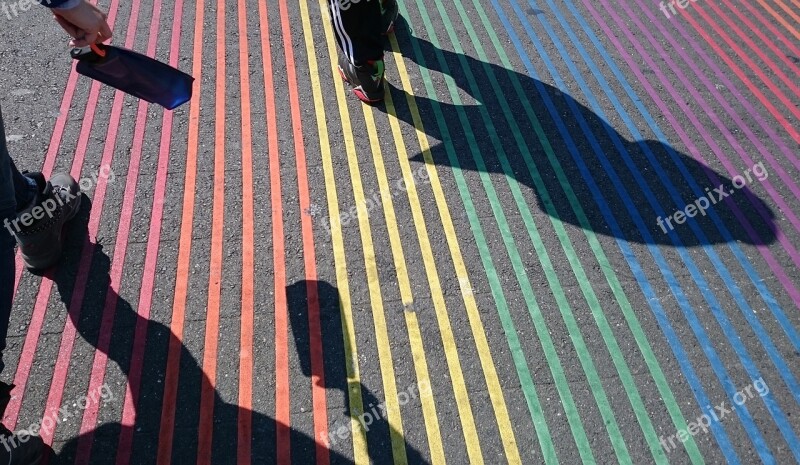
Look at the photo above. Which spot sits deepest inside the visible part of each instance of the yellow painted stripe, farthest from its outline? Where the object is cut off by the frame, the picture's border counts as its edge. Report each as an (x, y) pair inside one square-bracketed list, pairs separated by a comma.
[(379, 319), (478, 332), (360, 451), (414, 334)]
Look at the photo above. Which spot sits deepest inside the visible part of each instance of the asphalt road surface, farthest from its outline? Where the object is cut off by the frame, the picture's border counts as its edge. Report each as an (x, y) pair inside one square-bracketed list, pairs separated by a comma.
[(568, 235)]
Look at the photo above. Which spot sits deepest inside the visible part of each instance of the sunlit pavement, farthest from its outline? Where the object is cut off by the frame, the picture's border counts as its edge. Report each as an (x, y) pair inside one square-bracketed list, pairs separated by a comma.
[(568, 235)]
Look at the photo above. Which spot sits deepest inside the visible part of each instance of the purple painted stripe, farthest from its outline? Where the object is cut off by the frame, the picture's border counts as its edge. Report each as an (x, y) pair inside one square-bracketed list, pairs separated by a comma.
[(723, 129), (779, 272), (765, 153)]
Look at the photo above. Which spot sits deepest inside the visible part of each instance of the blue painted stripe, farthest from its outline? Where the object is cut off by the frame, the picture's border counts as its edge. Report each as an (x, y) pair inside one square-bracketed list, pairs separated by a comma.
[(721, 318), (747, 311), (641, 278), (757, 281)]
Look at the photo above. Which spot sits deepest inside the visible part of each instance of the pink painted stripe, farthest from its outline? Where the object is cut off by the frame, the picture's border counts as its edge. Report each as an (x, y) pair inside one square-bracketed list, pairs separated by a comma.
[(40, 307), (97, 376), (128, 419), (792, 84), (679, 128), (109, 310), (768, 128), (52, 151), (708, 109), (741, 75), (775, 32), (58, 382)]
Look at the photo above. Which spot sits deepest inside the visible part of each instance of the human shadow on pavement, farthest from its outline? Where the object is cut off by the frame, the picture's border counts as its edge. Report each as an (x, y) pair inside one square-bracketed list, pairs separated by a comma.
[(144, 433), (334, 361), (473, 149)]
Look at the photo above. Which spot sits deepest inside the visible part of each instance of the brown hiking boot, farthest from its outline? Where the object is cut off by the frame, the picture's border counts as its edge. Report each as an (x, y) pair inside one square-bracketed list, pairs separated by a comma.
[(17, 449), (39, 225)]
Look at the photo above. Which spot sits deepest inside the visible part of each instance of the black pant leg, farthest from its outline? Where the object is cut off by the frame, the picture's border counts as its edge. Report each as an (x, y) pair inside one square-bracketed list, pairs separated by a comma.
[(7, 213), (358, 29)]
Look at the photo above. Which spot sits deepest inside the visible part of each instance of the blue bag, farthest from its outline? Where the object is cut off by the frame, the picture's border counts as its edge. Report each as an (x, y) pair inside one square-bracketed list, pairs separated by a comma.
[(135, 74)]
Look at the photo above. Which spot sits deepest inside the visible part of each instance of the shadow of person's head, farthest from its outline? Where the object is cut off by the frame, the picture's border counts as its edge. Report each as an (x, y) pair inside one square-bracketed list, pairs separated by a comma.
[(140, 441), (578, 167), (319, 300)]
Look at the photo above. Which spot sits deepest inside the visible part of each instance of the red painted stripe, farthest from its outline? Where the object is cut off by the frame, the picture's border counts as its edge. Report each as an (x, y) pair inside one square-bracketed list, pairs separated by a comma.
[(282, 397), (43, 297), (58, 382), (166, 429), (245, 418), (758, 49), (739, 73), (206, 426), (55, 143), (314, 325), (66, 103), (765, 23), (146, 295), (98, 372), (52, 151), (32, 336)]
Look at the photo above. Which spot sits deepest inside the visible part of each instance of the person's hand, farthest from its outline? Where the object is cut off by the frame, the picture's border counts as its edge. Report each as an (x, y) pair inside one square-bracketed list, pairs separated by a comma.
[(85, 23)]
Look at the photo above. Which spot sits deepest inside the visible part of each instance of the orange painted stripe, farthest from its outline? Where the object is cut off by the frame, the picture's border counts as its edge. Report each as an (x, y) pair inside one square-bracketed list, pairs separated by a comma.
[(248, 252), (208, 383), (757, 49), (319, 401), (789, 11), (130, 404), (732, 45), (166, 430), (282, 397), (780, 19)]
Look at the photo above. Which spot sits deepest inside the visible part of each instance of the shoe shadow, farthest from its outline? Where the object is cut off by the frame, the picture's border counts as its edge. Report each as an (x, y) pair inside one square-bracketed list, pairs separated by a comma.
[(141, 439), (584, 145), (334, 361)]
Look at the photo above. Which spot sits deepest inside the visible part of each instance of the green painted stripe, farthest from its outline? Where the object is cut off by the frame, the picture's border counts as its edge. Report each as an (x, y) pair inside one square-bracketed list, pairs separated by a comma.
[(520, 364), (626, 377), (539, 321), (615, 435), (630, 316), (526, 380)]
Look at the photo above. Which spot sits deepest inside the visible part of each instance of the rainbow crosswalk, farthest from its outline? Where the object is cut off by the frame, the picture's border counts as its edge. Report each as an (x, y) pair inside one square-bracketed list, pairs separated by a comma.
[(472, 271)]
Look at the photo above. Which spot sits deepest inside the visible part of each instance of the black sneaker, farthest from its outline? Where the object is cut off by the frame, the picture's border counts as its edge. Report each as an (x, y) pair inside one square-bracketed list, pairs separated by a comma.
[(388, 15), (367, 80), (38, 226)]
